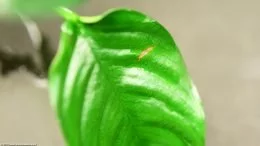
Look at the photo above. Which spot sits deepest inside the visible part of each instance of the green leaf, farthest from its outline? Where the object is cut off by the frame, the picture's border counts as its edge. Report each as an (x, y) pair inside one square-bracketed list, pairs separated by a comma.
[(119, 80), (33, 7)]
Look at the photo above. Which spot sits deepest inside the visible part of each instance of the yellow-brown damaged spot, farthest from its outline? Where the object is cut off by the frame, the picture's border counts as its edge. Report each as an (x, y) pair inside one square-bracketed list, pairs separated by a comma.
[(144, 53)]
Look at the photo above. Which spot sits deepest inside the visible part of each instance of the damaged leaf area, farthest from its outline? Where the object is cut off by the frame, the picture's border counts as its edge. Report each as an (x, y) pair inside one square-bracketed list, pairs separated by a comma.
[(119, 80)]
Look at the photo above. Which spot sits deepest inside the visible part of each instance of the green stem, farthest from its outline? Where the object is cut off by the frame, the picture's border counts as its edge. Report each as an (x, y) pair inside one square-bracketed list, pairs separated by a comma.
[(67, 14)]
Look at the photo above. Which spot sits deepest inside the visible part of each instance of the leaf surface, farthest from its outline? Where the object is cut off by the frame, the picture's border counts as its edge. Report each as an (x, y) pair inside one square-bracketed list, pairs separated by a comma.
[(119, 80), (37, 8)]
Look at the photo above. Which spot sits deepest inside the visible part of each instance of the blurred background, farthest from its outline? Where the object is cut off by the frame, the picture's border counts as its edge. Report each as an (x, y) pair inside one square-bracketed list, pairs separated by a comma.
[(218, 39)]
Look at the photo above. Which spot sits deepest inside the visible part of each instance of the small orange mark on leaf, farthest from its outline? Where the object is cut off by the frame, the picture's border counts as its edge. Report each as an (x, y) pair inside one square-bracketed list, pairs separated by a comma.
[(144, 52)]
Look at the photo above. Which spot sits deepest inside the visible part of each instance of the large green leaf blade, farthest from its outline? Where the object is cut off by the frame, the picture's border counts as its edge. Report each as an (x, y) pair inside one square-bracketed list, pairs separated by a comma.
[(119, 80)]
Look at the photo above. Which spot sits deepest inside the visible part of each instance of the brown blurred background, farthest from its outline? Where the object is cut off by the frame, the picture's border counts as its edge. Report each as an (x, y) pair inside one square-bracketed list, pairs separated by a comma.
[(218, 39)]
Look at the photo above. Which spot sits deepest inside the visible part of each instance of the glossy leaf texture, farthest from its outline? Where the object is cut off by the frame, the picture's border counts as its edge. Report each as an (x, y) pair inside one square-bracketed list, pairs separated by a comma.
[(119, 80)]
